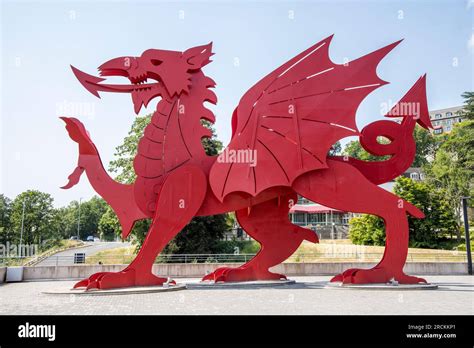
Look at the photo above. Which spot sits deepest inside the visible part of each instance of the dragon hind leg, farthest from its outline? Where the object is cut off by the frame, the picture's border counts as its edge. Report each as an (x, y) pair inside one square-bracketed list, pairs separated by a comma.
[(343, 187), (267, 223), (180, 198)]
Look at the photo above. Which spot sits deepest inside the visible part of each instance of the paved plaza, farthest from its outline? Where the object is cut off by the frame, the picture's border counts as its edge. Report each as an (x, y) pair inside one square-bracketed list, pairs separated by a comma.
[(308, 296)]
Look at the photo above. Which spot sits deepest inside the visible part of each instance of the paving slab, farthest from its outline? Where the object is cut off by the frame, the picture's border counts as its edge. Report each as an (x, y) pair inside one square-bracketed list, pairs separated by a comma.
[(308, 295)]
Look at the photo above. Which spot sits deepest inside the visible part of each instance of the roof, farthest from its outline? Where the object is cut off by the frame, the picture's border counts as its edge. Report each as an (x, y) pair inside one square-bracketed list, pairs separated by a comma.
[(313, 208), (413, 170), (453, 109)]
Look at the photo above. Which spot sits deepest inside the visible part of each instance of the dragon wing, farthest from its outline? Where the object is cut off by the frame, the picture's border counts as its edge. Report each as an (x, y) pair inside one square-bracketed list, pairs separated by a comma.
[(287, 122)]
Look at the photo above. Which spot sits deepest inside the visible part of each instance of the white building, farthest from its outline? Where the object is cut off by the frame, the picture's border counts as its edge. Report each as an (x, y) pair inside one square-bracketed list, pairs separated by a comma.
[(444, 119)]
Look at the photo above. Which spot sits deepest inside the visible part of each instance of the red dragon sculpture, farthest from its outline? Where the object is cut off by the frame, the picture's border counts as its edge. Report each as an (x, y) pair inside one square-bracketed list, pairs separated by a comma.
[(289, 119)]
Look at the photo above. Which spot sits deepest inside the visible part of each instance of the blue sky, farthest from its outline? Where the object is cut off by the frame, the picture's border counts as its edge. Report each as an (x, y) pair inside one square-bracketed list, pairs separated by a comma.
[(40, 39)]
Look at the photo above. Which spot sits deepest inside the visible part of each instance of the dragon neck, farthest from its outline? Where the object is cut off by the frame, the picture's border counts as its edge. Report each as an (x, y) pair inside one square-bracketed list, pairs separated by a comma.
[(181, 118)]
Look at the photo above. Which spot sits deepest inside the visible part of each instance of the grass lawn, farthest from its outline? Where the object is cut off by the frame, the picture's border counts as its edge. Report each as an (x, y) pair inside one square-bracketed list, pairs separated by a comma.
[(342, 250), (112, 256)]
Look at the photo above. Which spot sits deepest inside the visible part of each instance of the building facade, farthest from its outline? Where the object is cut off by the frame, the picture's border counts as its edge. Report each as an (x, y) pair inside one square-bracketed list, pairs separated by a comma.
[(443, 120), (328, 223)]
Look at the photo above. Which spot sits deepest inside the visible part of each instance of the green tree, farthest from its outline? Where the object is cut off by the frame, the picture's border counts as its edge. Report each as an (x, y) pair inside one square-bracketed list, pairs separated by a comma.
[(367, 230), (201, 236), (122, 165), (452, 169), (468, 110), (66, 220), (109, 226), (91, 212), (453, 166), (191, 239), (439, 219), (38, 218), (5, 212), (426, 146), (62, 222), (336, 149)]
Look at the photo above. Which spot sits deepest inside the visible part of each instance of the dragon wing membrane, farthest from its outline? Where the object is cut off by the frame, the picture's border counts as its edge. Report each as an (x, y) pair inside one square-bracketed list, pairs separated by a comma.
[(292, 117)]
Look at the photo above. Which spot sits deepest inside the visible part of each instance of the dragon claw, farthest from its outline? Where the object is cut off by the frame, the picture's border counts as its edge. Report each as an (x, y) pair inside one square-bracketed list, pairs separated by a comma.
[(93, 285), (125, 278), (374, 275), (83, 283), (241, 274)]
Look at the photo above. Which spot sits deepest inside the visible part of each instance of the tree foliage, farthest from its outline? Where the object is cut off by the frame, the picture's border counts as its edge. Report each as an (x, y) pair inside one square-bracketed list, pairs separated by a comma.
[(426, 146), (468, 109), (453, 166), (336, 149), (439, 218), (109, 226), (37, 219), (5, 224), (90, 214), (367, 230)]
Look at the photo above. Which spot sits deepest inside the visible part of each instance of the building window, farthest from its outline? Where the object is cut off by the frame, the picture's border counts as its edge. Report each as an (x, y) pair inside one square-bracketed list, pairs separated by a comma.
[(438, 131), (448, 129), (299, 218), (438, 116), (345, 219), (414, 176), (317, 218), (449, 114), (459, 119), (448, 122), (422, 176)]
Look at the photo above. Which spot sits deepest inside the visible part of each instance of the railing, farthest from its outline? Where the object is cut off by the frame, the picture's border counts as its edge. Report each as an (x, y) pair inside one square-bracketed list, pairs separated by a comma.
[(446, 256)]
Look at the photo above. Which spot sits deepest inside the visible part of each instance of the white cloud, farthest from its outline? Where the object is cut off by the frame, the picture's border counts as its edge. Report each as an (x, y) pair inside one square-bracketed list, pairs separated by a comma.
[(470, 42)]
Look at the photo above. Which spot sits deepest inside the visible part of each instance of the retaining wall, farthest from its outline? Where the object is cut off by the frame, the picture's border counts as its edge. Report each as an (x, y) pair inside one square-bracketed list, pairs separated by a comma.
[(200, 269)]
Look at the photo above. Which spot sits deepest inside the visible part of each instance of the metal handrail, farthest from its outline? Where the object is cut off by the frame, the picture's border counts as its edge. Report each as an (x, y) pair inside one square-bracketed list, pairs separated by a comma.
[(459, 256)]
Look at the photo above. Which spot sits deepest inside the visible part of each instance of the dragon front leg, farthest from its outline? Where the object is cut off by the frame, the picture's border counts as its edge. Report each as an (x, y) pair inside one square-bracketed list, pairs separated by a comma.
[(267, 223), (178, 201), (343, 187)]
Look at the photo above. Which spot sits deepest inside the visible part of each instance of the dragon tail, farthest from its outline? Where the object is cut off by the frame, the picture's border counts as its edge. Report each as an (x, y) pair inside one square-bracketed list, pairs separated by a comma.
[(80, 135), (119, 196), (413, 109)]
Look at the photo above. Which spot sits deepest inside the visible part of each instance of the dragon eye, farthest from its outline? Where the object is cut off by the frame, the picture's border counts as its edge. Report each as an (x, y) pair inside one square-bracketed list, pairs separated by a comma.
[(156, 62)]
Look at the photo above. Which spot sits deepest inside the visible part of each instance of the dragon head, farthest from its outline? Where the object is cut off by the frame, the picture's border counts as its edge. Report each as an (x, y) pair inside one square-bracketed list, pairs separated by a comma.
[(169, 71)]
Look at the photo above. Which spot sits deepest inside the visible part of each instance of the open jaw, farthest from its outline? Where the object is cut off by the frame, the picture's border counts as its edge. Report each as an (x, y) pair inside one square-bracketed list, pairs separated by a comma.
[(141, 91)]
